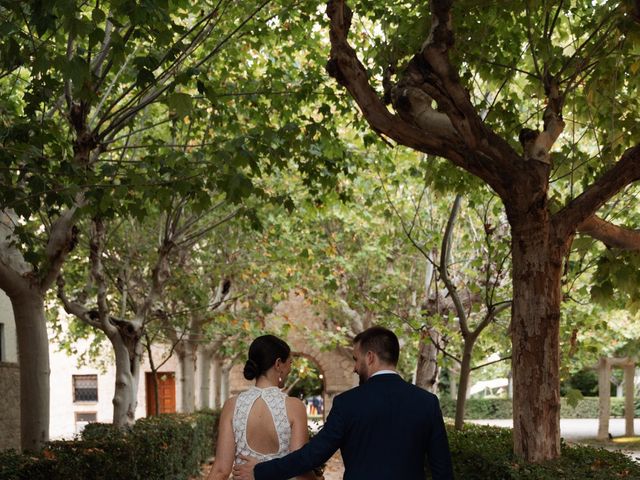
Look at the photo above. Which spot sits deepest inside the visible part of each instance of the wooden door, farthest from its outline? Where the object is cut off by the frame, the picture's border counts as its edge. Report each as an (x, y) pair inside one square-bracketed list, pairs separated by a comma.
[(166, 392)]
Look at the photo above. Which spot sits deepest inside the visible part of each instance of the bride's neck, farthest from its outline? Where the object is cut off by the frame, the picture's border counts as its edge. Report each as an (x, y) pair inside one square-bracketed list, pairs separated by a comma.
[(269, 379)]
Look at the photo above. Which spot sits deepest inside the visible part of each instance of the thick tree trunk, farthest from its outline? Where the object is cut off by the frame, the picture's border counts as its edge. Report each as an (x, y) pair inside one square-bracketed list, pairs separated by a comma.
[(187, 362), (204, 372), (427, 369), (33, 357), (463, 386), (454, 377), (217, 383), (125, 398), (224, 384), (537, 269)]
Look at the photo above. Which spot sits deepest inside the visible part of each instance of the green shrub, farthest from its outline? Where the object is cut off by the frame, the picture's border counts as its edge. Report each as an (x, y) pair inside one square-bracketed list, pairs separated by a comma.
[(482, 453), (479, 408), (492, 408), (170, 447)]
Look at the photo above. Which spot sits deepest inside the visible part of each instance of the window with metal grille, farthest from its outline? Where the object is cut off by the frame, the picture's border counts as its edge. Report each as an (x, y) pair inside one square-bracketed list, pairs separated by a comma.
[(85, 388)]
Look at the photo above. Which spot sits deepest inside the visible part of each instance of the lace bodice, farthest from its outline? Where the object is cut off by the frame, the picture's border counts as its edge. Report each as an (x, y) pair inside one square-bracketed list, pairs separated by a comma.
[(275, 400)]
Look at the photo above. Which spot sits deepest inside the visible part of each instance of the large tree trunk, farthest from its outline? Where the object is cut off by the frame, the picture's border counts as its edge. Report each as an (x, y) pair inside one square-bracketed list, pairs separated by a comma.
[(454, 377), (427, 369), (217, 382), (224, 384), (537, 268), (33, 358), (204, 372), (128, 354), (187, 362)]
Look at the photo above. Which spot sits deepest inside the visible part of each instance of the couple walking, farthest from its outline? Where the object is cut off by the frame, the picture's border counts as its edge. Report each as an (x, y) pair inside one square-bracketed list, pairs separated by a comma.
[(384, 428)]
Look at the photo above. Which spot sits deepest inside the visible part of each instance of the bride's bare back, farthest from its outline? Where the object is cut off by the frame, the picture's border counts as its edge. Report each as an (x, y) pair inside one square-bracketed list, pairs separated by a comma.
[(261, 431)]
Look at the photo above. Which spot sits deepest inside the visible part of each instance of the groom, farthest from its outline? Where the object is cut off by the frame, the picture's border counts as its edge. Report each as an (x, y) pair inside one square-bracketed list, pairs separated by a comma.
[(384, 428)]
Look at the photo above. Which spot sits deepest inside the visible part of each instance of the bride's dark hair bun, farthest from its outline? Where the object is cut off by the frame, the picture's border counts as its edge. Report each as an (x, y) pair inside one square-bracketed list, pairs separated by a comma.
[(263, 353), (250, 370)]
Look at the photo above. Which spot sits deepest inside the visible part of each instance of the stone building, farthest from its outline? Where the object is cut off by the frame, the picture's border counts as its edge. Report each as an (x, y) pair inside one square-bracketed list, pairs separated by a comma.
[(9, 378), (302, 322)]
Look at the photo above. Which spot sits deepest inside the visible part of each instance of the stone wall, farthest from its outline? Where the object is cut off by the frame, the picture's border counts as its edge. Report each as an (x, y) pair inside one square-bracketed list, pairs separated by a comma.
[(304, 320), (9, 406)]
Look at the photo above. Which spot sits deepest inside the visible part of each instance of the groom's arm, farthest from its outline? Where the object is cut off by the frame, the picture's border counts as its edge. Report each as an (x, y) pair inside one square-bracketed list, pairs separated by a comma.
[(438, 453), (313, 454)]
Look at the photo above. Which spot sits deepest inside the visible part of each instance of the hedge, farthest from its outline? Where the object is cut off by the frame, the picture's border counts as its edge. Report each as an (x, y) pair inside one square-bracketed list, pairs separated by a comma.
[(492, 408), (481, 453), (166, 447)]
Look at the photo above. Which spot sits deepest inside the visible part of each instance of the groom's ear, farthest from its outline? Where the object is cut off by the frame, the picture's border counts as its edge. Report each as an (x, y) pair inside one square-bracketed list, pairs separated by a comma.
[(371, 357)]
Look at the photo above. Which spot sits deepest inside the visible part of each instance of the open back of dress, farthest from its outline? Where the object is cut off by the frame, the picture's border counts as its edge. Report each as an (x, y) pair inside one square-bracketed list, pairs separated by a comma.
[(275, 401)]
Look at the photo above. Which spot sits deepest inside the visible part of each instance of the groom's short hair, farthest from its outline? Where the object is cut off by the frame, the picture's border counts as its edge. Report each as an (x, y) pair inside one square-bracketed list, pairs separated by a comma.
[(381, 341)]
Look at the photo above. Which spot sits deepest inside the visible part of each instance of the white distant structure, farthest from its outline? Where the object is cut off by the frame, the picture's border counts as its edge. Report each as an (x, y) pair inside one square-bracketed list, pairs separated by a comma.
[(494, 386), (84, 394)]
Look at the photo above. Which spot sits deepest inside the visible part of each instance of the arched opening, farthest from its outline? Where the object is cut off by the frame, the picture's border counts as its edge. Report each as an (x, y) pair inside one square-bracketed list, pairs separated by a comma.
[(307, 382)]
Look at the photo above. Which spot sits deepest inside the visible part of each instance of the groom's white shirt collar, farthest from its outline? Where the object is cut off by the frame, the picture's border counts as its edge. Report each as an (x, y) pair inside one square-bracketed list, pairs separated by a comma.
[(382, 372)]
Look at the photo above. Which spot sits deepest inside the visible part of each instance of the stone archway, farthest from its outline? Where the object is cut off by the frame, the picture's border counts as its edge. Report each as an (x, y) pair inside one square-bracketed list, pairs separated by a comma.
[(604, 393), (293, 319)]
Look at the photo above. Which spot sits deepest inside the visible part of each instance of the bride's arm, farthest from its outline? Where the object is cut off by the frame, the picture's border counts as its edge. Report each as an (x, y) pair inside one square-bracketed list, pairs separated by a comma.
[(226, 446), (299, 430)]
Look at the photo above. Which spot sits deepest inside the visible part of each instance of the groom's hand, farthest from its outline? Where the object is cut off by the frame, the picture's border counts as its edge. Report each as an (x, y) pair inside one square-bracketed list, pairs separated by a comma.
[(245, 470)]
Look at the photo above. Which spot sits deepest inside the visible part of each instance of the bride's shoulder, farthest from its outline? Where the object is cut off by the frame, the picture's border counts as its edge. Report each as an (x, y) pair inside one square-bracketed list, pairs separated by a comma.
[(230, 404), (295, 405)]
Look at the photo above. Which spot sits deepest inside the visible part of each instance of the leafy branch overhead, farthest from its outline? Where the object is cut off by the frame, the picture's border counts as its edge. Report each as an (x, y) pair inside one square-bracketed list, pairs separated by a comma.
[(455, 128)]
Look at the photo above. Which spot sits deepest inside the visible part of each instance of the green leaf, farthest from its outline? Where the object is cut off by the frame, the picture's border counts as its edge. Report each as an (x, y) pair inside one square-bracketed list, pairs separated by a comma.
[(98, 16), (180, 103), (574, 396)]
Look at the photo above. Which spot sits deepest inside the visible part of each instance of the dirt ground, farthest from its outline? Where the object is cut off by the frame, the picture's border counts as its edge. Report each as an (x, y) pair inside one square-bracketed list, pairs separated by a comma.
[(333, 471)]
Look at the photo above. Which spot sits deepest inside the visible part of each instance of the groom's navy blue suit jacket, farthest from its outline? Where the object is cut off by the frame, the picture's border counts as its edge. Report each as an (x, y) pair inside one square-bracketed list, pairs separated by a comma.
[(383, 428)]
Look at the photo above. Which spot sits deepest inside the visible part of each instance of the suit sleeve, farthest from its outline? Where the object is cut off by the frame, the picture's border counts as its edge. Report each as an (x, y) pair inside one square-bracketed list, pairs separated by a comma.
[(313, 454), (438, 453)]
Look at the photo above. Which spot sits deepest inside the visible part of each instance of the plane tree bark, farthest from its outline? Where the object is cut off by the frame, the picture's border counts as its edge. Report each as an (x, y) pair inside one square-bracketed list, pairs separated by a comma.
[(26, 289)]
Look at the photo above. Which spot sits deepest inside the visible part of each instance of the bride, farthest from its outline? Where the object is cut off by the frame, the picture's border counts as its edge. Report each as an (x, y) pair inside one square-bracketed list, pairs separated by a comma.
[(262, 422)]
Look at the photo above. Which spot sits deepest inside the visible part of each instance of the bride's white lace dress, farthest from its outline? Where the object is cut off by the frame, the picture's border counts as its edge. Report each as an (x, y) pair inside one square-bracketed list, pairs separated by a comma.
[(275, 400)]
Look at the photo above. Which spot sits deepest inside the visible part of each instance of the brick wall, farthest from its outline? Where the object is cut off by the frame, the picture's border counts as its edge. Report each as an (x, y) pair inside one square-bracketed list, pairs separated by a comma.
[(9, 406)]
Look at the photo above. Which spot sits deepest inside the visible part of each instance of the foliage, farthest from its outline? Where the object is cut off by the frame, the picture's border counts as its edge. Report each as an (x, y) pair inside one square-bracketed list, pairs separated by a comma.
[(481, 452), (305, 379), (586, 381), (164, 447)]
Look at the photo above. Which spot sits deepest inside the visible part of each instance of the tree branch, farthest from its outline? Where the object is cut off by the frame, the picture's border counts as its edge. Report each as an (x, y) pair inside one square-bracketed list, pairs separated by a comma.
[(62, 239), (349, 72), (581, 208), (445, 257), (458, 134), (96, 247), (76, 308), (14, 269), (449, 92), (613, 236)]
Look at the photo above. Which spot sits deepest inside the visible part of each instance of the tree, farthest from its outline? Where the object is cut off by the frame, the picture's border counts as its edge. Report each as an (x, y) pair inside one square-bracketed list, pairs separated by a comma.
[(78, 74), (552, 50), (472, 295), (136, 282), (86, 83)]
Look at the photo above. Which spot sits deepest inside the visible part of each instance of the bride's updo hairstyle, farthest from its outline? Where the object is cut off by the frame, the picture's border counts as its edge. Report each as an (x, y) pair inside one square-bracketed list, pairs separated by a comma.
[(263, 353)]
